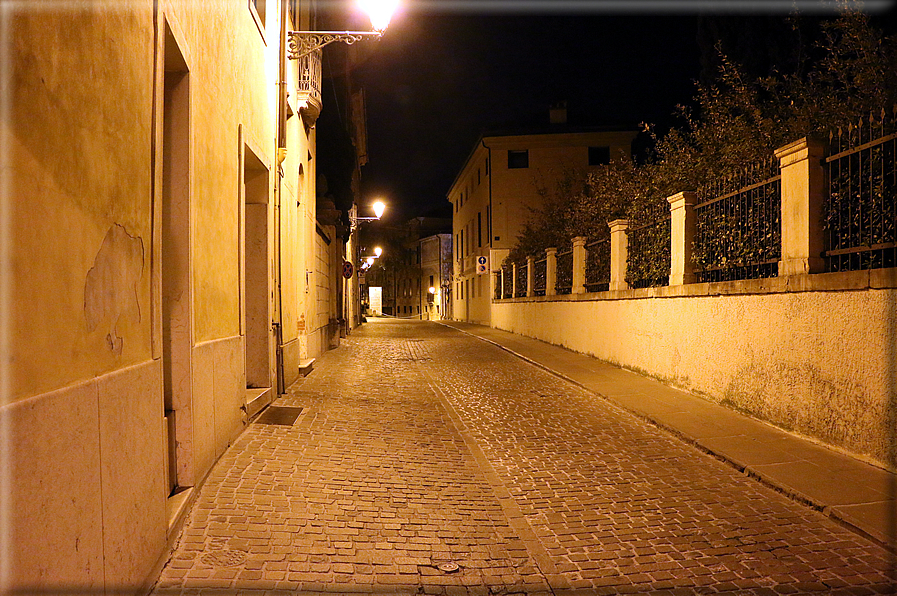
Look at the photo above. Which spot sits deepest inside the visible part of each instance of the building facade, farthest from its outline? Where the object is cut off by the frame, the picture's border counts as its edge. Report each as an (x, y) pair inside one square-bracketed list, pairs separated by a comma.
[(165, 275), (414, 259), (436, 276), (506, 176)]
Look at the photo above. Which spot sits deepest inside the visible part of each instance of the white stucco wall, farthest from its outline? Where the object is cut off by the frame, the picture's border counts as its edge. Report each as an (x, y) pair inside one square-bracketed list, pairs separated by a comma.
[(817, 358)]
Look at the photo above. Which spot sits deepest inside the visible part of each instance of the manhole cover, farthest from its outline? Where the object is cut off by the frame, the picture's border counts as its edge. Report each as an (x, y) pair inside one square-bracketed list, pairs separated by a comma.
[(224, 558), (448, 567)]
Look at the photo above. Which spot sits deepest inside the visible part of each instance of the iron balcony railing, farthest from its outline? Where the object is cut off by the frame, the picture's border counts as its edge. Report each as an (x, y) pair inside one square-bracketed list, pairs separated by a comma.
[(309, 84)]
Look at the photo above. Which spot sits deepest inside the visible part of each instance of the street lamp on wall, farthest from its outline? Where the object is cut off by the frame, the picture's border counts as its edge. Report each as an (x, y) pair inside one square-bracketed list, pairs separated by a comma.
[(303, 43), (379, 209)]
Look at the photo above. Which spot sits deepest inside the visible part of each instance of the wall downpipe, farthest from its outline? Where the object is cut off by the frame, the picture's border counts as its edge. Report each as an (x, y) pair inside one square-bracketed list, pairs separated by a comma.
[(281, 141)]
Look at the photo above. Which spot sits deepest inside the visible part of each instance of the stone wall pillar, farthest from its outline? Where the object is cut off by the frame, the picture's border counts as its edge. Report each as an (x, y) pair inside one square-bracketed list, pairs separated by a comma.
[(579, 265), (682, 222), (551, 271), (619, 245), (803, 194), (530, 277)]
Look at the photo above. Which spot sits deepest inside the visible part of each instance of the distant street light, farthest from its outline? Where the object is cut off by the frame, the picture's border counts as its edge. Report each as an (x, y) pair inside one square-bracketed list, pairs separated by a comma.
[(303, 43)]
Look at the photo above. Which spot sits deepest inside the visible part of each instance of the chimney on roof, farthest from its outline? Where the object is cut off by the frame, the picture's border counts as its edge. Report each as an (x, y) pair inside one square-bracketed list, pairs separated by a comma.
[(557, 113)]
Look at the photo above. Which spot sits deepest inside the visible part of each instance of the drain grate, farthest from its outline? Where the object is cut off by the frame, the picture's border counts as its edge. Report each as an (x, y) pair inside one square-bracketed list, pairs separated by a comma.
[(224, 558), (283, 415)]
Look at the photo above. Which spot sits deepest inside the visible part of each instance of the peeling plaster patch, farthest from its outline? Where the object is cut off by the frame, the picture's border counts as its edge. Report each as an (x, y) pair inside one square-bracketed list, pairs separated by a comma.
[(110, 291)]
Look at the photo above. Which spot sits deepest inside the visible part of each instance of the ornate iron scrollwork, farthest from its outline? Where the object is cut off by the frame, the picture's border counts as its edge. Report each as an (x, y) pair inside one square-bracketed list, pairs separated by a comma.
[(302, 43)]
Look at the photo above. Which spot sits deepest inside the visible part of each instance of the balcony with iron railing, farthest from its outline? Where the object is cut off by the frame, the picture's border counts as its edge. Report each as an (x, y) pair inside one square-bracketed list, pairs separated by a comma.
[(308, 86)]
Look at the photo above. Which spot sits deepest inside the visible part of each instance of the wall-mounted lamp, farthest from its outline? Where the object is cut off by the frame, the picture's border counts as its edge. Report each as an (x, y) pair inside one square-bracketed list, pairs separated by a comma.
[(303, 43), (379, 210)]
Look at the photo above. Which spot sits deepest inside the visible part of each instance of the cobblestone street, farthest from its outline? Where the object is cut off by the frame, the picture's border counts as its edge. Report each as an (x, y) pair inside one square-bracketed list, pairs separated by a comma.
[(426, 461)]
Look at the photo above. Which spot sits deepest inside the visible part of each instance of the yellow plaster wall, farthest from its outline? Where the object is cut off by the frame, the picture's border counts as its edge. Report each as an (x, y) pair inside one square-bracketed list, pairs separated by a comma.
[(78, 158), (231, 64)]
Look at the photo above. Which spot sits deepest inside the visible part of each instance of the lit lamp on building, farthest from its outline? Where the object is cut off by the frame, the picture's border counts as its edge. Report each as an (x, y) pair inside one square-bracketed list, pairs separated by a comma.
[(379, 208), (303, 43)]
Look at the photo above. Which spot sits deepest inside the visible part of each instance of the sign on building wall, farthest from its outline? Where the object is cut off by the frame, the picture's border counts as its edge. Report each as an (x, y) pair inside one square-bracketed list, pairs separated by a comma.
[(482, 265)]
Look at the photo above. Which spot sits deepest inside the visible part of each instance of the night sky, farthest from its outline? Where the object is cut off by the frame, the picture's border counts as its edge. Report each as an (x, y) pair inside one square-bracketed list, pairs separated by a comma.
[(438, 79)]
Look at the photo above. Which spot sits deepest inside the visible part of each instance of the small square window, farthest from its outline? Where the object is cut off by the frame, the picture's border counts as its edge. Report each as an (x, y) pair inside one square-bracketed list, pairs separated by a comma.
[(518, 159), (599, 156)]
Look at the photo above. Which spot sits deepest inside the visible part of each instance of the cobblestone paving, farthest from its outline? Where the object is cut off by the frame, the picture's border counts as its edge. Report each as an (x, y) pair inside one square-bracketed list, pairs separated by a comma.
[(420, 446)]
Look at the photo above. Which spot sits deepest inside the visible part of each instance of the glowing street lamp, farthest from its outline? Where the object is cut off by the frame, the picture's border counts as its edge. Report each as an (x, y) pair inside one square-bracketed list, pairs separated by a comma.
[(379, 11), (303, 43), (378, 251), (379, 209)]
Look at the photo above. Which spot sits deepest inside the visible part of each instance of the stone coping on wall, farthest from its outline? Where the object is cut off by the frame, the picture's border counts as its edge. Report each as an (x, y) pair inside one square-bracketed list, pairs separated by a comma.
[(845, 281)]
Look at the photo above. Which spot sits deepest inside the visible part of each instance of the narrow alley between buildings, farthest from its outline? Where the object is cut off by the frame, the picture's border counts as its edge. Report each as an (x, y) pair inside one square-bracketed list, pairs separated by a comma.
[(427, 461)]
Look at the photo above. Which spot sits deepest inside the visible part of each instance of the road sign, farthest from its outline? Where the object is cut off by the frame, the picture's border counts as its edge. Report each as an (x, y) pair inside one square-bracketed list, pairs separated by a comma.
[(348, 270), (482, 265)]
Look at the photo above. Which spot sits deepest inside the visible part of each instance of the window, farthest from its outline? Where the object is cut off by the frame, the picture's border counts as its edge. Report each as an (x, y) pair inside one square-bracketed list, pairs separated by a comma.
[(480, 229), (518, 159), (599, 156), (478, 176), (257, 7), (489, 220)]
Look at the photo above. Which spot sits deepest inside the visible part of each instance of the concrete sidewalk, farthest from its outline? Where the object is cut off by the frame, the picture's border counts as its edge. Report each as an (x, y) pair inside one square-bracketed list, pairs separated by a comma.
[(858, 495)]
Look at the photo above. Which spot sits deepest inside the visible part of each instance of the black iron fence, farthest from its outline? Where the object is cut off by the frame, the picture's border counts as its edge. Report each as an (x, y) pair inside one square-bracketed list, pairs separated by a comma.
[(598, 265), (540, 275), (564, 282), (522, 273), (496, 290), (648, 263), (508, 279), (738, 232), (860, 212)]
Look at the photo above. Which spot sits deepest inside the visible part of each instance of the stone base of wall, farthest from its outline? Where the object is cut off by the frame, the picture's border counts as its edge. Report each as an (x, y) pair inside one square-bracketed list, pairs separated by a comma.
[(815, 354), (85, 472), (219, 393), (85, 482)]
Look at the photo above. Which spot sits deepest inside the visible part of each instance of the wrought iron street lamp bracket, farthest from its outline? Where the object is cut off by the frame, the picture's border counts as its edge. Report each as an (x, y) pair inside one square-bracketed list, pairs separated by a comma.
[(303, 43)]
